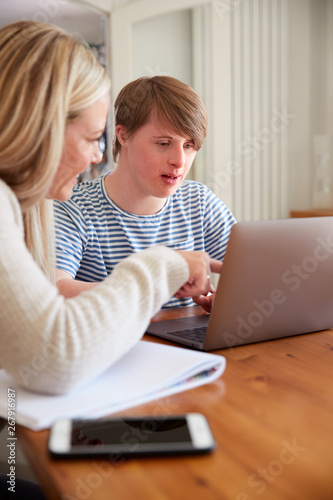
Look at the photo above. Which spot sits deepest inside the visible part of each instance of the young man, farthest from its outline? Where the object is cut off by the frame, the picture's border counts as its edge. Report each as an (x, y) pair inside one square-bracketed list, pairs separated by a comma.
[(160, 124)]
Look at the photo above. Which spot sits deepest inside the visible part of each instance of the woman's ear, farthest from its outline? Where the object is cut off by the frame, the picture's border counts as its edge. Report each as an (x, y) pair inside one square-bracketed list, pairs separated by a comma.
[(121, 134)]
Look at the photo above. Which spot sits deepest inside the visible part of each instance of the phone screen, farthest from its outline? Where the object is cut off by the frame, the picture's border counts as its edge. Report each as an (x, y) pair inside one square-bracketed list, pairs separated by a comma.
[(132, 431), (132, 436)]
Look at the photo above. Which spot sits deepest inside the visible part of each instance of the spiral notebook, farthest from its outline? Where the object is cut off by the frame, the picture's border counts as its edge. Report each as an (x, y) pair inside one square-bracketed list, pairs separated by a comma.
[(147, 372)]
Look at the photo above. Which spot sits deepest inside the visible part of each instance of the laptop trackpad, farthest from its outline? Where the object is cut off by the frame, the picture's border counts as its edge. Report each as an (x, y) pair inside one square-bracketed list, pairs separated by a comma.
[(173, 325)]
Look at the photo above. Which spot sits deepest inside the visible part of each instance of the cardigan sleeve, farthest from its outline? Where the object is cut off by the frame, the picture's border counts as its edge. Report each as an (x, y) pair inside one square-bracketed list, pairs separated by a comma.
[(52, 344)]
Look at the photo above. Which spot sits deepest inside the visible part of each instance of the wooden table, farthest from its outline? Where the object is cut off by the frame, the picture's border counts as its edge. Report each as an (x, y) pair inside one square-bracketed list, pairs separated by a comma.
[(312, 212), (271, 414)]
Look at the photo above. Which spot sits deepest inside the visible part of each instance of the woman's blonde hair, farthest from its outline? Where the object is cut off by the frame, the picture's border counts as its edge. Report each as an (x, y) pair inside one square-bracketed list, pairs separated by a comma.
[(46, 78), (174, 102)]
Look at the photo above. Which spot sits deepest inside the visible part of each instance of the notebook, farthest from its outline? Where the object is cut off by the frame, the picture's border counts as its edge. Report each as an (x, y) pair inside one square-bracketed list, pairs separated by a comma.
[(148, 371), (276, 281)]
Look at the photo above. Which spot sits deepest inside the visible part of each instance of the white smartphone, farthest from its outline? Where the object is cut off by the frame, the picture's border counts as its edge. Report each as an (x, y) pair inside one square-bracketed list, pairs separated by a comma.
[(131, 436)]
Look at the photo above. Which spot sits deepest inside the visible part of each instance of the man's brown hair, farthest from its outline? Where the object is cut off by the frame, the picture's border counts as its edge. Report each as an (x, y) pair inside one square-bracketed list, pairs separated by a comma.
[(173, 101)]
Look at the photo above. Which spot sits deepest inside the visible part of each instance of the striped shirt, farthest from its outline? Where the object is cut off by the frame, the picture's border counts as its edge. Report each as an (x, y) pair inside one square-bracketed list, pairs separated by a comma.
[(93, 234)]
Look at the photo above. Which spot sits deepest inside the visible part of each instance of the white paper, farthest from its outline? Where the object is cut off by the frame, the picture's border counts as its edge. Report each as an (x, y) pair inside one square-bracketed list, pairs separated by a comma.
[(148, 371)]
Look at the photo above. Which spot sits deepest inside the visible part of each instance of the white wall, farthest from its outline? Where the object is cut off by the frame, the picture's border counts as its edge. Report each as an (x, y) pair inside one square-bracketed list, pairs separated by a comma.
[(171, 52), (308, 71), (76, 17), (267, 55), (311, 89)]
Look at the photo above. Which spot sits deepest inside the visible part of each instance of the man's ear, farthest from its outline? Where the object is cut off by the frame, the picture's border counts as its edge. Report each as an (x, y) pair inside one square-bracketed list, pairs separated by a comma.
[(121, 134)]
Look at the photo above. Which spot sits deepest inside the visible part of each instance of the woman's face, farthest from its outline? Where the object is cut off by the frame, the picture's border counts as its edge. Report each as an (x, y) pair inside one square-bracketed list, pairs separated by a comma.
[(81, 148)]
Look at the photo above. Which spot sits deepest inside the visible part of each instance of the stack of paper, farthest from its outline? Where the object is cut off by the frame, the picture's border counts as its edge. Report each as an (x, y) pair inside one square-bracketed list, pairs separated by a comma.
[(148, 371)]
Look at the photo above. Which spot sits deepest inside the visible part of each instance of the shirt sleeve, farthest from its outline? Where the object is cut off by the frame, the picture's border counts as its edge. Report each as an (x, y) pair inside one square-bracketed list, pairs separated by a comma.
[(52, 344), (71, 236), (218, 221)]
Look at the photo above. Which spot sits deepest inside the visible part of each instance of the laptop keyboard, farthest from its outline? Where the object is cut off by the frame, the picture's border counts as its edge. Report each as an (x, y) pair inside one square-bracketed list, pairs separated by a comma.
[(198, 334)]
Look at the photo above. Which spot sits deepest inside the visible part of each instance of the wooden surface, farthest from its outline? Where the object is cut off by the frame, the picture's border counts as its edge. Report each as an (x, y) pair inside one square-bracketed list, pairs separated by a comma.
[(319, 212), (271, 414)]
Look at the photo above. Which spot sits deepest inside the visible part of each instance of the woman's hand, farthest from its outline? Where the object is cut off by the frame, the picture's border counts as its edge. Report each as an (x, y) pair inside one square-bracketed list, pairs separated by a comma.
[(200, 266)]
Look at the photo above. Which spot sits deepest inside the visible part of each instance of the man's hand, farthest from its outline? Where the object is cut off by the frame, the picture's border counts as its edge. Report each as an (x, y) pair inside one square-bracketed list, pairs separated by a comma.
[(206, 302)]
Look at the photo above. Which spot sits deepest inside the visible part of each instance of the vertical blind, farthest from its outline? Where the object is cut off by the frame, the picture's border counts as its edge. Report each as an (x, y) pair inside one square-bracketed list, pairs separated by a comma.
[(259, 109)]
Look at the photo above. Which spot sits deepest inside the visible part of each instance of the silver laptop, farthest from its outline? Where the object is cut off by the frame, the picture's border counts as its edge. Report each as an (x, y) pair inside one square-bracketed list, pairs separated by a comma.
[(276, 281)]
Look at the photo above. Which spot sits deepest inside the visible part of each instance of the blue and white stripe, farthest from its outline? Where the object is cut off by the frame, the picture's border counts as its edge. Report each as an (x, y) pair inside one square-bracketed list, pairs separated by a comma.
[(94, 234)]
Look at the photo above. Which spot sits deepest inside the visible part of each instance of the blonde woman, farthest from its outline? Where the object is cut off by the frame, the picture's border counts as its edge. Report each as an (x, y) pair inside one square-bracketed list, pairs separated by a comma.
[(54, 105)]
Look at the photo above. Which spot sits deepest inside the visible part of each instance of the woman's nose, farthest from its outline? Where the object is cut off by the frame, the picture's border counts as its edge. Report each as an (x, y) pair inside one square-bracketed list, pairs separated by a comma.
[(97, 154)]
